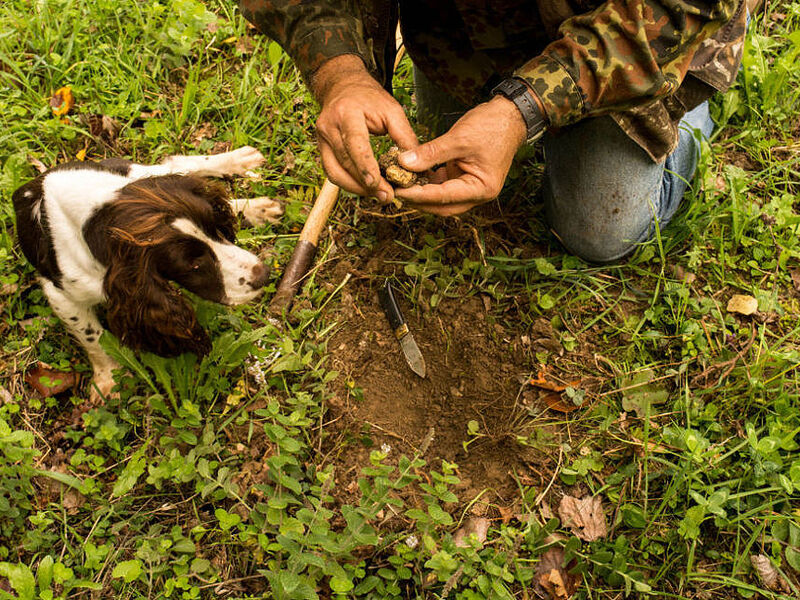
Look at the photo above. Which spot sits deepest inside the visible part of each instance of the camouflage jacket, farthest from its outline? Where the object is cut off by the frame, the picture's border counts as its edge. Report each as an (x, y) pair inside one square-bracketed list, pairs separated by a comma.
[(644, 62)]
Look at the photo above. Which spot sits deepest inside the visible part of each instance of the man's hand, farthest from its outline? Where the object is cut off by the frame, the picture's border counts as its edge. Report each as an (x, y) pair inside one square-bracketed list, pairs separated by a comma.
[(477, 154), (354, 106)]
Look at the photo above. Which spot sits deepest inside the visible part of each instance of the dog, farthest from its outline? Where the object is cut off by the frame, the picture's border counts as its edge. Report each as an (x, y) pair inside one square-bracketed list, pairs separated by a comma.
[(122, 235)]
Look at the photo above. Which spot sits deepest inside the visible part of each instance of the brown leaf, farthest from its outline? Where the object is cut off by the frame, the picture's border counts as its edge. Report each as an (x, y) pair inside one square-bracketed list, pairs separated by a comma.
[(506, 513), (768, 574), (553, 578), (556, 402), (477, 526), (682, 274), (62, 101), (542, 382), (742, 304), (5, 396), (289, 161), (795, 273), (49, 382), (102, 127), (585, 517), (73, 500), (203, 132), (245, 45), (9, 289)]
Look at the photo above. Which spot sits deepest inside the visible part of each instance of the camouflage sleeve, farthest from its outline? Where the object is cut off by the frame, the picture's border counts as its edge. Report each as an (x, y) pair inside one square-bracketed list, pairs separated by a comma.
[(310, 32), (623, 54)]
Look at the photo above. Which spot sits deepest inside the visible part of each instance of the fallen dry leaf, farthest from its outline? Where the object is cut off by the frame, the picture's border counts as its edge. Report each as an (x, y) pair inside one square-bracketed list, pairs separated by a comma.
[(203, 132), (73, 500), (245, 45), (8, 289), (5, 396), (585, 517), (62, 101), (556, 402), (478, 526), (768, 574), (553, 578), (480, 508), (682, 274), (743, 305), (289, 161), (795, 273), (101, 127), (542, 382), (49, 382), (506, 513)]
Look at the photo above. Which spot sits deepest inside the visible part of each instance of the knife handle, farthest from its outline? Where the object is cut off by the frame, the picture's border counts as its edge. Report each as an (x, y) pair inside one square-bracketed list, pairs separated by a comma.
[(392, 310)]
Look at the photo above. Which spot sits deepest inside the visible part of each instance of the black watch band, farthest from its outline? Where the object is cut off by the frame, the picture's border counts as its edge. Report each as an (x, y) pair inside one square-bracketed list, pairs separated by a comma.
[(517, 91)]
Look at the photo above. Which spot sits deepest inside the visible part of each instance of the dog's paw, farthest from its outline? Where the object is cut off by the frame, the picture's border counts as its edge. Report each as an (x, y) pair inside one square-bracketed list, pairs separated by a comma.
[(258, 211), (100, 387), (242, 161)]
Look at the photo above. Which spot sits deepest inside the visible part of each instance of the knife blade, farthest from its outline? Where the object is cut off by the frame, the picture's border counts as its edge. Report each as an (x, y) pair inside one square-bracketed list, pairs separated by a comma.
[(398, 324)]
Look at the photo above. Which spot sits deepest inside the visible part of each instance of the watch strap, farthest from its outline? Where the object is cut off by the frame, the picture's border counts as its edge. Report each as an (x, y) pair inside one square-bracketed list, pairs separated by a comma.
[(517, 91)]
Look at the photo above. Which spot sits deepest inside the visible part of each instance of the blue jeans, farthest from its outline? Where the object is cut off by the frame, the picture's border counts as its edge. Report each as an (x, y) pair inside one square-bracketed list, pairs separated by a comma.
[(603, 194)]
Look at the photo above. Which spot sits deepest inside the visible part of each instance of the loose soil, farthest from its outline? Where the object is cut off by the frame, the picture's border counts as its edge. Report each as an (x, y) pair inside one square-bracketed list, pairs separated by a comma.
[(471, 375), (477, 370)]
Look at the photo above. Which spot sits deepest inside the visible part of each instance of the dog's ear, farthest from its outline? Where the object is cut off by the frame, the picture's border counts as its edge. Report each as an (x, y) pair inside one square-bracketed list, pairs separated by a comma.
[(217, 197), (146, 312)]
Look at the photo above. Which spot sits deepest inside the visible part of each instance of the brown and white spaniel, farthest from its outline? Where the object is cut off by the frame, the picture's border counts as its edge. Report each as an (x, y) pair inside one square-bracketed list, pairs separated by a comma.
[(123, 234)]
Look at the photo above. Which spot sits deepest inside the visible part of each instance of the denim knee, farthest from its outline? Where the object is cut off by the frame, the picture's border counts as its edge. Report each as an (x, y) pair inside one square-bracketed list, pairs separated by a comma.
[(599, 190), (604, 195)]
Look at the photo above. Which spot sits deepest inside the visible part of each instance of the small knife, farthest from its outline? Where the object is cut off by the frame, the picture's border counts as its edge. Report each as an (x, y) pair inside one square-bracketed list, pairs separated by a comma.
[(401, 332)]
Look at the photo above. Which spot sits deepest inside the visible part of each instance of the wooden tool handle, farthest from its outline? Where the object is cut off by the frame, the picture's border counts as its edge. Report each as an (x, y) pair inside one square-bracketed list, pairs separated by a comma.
[(303, 255), (320, 212)]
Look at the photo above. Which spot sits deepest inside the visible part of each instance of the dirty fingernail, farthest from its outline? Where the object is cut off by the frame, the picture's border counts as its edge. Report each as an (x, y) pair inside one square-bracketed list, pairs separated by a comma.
[(409, 157), (383, 196), (369, 180)]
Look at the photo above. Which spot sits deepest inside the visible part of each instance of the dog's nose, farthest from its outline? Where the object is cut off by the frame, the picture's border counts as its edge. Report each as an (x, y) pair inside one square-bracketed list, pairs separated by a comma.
[(259, 276)]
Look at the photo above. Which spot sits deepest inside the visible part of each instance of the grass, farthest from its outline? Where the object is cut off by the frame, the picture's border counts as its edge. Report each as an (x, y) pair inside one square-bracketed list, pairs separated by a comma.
[(220, 478)]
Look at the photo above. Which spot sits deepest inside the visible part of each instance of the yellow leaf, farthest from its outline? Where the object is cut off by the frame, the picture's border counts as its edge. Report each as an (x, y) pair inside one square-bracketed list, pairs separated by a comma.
[(744, 305), (235, 397), (62, 101), (81, 155)]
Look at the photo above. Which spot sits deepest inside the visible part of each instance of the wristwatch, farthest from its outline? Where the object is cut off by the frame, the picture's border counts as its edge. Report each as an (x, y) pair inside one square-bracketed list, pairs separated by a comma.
[(518, 92)]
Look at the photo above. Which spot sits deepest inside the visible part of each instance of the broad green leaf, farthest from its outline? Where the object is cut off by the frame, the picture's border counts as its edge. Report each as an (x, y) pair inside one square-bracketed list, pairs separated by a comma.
[(20, 578), (130, 474), (793, 558), (341, 585), (639, 396), (129, 570), (44, 573)]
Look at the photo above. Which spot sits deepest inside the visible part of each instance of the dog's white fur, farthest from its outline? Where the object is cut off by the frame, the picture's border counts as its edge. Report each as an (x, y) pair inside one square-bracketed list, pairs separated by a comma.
[(71, 197)]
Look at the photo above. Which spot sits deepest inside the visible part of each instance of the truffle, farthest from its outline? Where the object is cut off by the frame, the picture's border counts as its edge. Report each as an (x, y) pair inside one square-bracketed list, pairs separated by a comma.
[(394, 173)]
